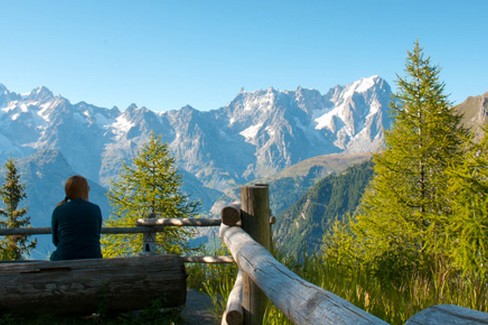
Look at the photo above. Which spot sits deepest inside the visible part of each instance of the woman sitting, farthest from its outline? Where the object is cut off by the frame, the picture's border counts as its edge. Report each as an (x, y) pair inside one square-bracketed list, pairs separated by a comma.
[(76, 223)]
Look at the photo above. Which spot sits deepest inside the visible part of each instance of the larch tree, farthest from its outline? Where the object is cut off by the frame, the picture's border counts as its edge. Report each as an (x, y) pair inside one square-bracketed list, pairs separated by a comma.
[(468, 226), (151, 184), (402, 215), (12, 193)]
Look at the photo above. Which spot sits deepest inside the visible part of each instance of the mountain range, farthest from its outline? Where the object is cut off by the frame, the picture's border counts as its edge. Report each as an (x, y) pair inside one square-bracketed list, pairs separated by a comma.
[(257, 135)]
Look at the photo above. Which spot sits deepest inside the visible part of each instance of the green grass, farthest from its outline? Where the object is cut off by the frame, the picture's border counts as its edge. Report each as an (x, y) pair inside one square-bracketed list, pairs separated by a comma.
[(394, 303)]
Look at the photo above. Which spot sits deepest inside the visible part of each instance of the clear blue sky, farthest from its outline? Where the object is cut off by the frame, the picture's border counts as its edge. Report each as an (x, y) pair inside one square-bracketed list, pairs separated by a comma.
[(166, 54)]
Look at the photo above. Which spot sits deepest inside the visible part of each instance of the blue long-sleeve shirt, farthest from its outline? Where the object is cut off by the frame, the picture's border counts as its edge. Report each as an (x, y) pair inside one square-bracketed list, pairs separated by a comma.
[(76, 228)]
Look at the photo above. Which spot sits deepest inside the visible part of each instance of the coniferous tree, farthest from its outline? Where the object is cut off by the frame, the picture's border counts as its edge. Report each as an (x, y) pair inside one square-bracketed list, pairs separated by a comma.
[(402, 216), (11, 216), (468, 226), (150, 185)]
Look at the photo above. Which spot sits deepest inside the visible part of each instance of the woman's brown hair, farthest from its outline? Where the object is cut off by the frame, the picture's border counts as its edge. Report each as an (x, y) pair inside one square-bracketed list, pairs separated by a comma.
[(76, 187)]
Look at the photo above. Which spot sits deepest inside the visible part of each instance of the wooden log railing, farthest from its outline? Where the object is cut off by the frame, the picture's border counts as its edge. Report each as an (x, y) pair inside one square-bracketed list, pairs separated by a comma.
[(143, 226), (301, 301), (87, 285)]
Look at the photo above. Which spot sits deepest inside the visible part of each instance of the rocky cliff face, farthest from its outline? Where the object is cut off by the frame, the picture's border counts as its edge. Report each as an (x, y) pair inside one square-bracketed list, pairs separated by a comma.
[(475, 113), (256, 135)]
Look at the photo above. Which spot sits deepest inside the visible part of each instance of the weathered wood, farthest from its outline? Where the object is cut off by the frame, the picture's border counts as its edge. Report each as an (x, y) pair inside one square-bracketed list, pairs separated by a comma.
[(448, 314), (302, 302), (131, 230), (143, 226), (105, 230), (180, 222), (255, 214), (231, 215), (207, 259), (91, 285), (149, 240), (25, 231), (233, 314)]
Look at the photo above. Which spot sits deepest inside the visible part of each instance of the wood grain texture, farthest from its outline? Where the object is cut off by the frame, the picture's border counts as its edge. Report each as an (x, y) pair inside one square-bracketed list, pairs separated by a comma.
[(231, 215), (180, 222), (255, 214), (448, 314), (105, 230), (207, 259), (302, 302), (233, 314), (86, 286)]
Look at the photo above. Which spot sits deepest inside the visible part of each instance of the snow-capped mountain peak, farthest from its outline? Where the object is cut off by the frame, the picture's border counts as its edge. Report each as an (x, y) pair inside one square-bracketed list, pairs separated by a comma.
[(257, 134), (358, 108), (40, 94), (363, 85)]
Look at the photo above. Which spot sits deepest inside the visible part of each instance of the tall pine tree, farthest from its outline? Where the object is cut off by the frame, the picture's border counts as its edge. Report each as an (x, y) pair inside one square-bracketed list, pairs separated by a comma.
[(402, 216), (11, 216), (150, 185)]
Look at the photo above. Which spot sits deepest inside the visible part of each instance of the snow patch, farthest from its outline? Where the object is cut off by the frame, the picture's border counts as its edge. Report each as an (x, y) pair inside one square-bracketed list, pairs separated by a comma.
[(121, 126), (327, 120), (44, 111), (11, 106), (360, 86), (251, 131), (373, 108), (271, 132), (365, 84)]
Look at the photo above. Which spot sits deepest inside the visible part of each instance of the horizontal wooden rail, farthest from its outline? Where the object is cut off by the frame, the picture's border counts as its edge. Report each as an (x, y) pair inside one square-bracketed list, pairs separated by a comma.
[(186, 259), (105, 230), (208, 259), (143, 226), (301, 301), (179, 222), (448, 314)]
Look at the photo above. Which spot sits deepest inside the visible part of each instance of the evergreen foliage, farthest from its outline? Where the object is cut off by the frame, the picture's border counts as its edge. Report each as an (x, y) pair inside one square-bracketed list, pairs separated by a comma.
[(150, 185), (11, 216), (402, 217), (468, 227)]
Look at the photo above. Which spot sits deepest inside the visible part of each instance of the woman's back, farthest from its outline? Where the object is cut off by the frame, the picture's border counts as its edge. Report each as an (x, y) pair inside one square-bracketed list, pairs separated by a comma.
[(76, 227)]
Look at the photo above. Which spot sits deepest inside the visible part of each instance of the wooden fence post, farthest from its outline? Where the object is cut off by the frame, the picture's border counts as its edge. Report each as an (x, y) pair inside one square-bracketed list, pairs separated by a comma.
[(149, 239), (255, 214)]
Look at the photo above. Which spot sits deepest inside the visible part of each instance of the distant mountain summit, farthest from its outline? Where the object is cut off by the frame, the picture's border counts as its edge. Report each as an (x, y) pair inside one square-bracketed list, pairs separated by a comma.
[(277, 129), (257, 134)]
